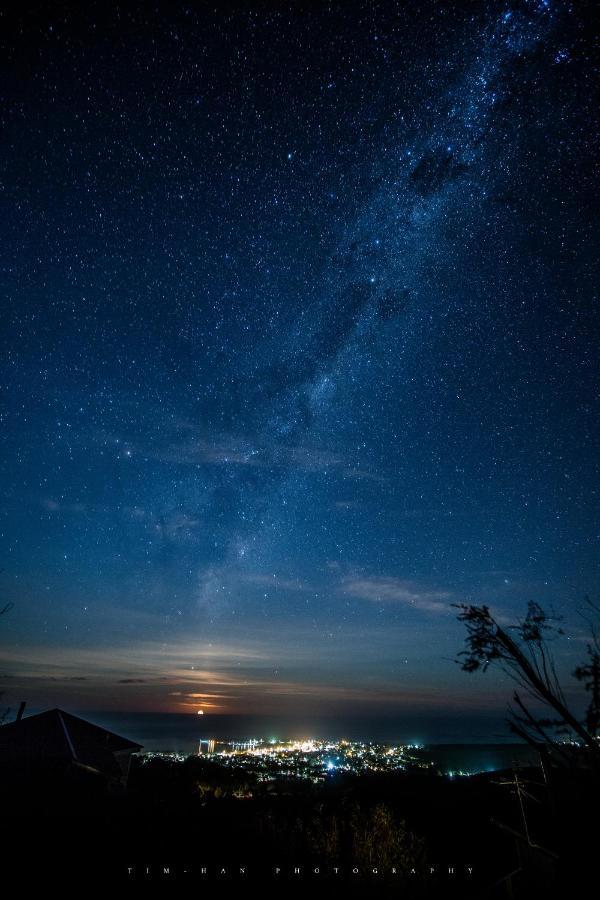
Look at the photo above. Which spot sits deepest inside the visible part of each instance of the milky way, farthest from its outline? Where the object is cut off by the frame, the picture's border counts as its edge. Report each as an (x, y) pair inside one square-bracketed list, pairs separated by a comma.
[(299, 347)]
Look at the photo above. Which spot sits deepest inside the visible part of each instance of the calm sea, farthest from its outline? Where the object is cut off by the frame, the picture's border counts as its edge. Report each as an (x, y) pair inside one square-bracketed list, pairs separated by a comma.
[(476, 743)]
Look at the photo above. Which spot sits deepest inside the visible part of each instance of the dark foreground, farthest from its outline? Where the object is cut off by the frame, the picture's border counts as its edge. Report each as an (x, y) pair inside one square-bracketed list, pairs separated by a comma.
[(413, 834)]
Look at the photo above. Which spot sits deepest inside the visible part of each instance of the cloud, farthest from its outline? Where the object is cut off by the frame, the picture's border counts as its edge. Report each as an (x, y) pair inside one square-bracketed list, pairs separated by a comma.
[(146, 661), (385, 589), (56, 506), (260, 692), (229, 450), (174, 525), (232, 450)]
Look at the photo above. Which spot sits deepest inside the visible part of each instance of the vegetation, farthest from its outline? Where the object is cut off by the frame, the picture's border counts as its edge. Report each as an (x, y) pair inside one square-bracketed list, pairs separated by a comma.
[(523, 652)]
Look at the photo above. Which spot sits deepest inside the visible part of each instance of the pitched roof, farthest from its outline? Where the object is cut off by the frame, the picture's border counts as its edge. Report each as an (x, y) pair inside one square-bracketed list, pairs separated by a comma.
[(56, 736)]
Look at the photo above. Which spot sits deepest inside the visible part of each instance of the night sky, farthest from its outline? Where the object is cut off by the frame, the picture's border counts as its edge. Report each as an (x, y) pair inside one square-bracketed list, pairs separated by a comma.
[(298, 347)]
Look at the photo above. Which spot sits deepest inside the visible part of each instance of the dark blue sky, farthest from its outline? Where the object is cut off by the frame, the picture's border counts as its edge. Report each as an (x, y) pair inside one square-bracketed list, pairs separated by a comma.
[(298, 348)]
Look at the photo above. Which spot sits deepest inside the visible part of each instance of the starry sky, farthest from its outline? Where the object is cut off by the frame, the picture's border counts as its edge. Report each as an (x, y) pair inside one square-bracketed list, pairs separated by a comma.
[(298, 348)]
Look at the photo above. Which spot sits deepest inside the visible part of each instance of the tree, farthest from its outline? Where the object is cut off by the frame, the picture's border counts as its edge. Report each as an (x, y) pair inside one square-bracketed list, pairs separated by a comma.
[(371, 837), (589, 673), (522, 651), (380, 839)]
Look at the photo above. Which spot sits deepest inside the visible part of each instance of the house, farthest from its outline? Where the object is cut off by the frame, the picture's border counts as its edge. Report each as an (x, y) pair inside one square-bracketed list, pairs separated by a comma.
[(58, 741)]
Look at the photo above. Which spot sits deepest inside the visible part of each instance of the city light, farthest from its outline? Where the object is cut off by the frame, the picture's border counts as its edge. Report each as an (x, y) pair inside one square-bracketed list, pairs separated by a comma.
[(310, 758)]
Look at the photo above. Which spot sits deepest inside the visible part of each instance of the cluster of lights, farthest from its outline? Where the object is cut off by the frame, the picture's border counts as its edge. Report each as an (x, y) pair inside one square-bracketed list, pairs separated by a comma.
[(176, 757), (311, 759), (314, 759)]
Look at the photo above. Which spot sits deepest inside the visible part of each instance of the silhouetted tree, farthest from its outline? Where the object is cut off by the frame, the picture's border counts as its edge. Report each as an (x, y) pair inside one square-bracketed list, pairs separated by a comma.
[(522, 652), (589, 673), (367, 837), (379, 839)]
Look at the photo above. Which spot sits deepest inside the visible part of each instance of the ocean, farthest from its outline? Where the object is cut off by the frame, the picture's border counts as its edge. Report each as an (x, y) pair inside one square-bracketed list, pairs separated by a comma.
[(471, 743)]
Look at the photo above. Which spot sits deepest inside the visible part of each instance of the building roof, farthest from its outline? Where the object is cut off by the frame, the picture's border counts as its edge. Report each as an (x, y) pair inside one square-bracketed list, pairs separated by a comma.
[(56, 736)]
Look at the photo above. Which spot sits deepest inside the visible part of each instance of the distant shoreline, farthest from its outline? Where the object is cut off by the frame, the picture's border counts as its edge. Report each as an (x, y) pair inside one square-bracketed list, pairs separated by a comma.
[(454, 743)]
